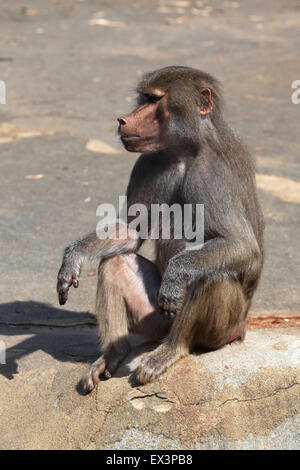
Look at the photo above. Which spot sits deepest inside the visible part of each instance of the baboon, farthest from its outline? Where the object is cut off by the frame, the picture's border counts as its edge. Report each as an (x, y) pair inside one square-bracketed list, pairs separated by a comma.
[(185, 298)]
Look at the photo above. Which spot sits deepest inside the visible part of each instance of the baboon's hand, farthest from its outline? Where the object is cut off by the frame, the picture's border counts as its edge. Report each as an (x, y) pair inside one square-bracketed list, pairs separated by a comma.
[(170, 298), (169, 303), (172, 290), (68, 276)]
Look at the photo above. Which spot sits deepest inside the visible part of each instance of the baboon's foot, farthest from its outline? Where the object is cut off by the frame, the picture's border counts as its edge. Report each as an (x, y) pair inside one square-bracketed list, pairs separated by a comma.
[(157, 362), (100, 369)]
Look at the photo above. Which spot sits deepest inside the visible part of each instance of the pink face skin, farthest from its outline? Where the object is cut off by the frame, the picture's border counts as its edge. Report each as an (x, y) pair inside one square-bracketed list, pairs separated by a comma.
[(142, 130)]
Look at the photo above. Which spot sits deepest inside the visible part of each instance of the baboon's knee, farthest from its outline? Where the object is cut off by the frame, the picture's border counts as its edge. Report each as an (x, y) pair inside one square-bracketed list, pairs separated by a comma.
[(107, 267), (108, 288), (111, 276)]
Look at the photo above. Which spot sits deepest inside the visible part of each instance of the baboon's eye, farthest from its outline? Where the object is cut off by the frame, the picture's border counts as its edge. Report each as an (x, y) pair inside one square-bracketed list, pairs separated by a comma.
[(144, 98), (154, 98)]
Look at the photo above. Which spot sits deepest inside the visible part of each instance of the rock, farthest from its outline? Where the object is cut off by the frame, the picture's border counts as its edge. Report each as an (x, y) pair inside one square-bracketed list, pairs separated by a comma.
[(244, 396)]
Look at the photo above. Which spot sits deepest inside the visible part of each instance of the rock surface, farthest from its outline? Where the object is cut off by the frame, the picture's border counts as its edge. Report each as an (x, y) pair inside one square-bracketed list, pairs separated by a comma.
[(245, 396)]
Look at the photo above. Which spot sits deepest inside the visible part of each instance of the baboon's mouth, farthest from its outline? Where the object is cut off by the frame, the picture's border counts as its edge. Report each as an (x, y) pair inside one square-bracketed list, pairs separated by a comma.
[(129, 137)]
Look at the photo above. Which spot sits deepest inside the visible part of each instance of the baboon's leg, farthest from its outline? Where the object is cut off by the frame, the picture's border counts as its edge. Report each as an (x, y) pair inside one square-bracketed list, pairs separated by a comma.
[(213, 315), (126, 300)]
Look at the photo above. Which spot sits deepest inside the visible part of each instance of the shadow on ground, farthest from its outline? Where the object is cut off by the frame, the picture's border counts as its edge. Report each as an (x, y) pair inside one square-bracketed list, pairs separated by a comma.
[(64, 335)]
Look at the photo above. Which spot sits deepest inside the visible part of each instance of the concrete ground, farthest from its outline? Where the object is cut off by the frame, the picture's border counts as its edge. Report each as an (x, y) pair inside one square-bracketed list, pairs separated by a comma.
[(70, 68)]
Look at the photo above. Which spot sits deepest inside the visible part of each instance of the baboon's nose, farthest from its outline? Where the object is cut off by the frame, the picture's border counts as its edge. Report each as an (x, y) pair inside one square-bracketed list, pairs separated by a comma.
[(122, 121)]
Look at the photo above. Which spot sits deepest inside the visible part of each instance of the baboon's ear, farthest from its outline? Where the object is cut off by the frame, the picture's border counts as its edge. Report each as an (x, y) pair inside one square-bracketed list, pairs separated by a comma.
[(206, 104)]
